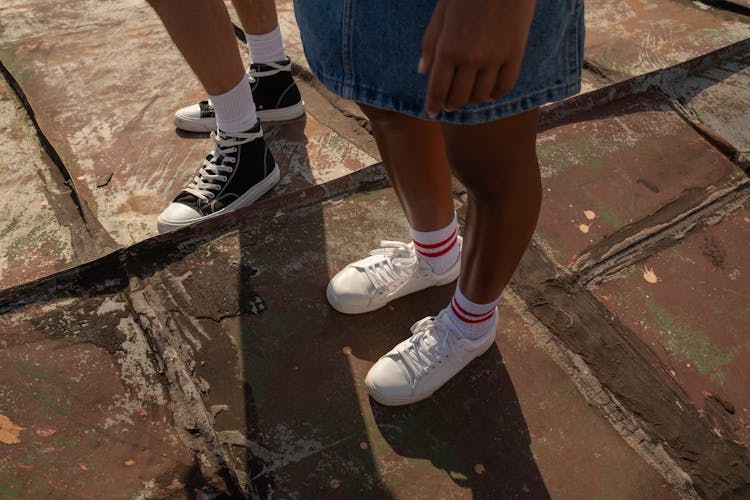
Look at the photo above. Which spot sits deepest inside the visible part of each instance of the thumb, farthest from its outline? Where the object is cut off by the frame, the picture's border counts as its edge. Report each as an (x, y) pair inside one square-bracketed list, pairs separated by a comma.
[(430, 39)]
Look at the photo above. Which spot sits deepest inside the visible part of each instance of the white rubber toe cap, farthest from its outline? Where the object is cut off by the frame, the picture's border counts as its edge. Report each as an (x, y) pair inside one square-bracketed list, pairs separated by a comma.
[(189, 119), (350, 291), (387, 383), (176, 215)]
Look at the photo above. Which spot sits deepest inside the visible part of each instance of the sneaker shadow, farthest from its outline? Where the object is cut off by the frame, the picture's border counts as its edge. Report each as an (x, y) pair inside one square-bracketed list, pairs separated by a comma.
[(191, 135), (472, 428)]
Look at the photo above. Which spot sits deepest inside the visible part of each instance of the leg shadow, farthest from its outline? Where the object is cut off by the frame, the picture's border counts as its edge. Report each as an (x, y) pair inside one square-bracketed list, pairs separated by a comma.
[(473, 429), (302, 413)]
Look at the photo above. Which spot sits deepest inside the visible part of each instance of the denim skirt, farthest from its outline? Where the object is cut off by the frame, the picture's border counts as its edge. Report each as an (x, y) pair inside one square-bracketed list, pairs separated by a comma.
[(368, 51)]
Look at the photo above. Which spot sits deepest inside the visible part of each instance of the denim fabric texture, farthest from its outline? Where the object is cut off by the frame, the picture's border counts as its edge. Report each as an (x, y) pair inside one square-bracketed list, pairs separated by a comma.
[(368, 51)]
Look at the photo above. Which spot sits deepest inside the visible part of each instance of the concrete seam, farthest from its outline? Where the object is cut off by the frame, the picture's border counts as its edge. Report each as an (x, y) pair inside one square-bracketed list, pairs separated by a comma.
[(627, 250), (710, 135), (630, 371), (195, 423), (552, 114), (630, 428), (728, 6), (89, 222)]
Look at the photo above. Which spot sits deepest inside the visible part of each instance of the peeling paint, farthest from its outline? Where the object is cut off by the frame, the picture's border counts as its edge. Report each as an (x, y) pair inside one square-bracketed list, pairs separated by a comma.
[(10, 433)]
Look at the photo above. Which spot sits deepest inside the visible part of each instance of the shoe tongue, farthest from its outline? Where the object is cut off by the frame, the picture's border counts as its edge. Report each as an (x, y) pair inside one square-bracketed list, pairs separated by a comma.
[(220, 136)]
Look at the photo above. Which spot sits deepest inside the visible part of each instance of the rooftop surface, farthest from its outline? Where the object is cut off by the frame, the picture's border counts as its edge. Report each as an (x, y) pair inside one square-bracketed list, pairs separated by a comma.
[(206, 361)]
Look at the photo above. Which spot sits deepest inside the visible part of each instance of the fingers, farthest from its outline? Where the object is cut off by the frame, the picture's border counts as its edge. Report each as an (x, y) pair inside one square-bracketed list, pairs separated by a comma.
[(430, 39), (466, 86), (484, 85), (506, 80), (438, 87), (460, 71), (453, 87), (461, 88)]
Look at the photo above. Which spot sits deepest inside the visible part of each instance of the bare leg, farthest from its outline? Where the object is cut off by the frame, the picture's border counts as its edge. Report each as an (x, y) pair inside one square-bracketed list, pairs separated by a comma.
[(414, 155), (257, 16), (497, 163), (202, 31)]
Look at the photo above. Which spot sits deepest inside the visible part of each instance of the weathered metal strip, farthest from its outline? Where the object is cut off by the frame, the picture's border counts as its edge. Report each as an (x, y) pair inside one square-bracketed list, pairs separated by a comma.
[(719, 467), (664, 228)]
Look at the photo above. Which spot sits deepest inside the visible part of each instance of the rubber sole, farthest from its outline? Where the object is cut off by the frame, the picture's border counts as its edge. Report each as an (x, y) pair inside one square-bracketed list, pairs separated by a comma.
[(386, 401), (393, 402), (205, 125), (248, 198), (355, 309)]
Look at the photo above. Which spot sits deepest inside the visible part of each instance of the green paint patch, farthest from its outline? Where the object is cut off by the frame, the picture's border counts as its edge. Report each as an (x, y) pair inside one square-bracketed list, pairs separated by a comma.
[(606, 214), (607, 62), (537, 445), (25, 245), (10, 226), (62, 442), (39, 395), (692, 345), (585, 153), (36, 373), (548, 153), (7, 489)]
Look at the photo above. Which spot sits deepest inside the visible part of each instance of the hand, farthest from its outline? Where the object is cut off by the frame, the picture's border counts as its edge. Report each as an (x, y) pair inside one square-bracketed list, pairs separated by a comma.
[(473, 50)]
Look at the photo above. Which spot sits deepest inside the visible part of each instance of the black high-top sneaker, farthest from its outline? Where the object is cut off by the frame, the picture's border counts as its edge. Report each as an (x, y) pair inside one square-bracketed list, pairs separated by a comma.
[(275, 93), (240, 170)]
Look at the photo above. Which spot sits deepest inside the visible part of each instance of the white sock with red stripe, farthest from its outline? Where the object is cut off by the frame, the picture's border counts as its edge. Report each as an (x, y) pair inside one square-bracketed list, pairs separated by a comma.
[(469, 319), (439, 248)]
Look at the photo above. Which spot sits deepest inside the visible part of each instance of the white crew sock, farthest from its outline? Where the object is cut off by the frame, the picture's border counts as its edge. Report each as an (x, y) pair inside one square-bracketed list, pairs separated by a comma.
[(235, 109), (266, 48), (439, 248), (469, 319)]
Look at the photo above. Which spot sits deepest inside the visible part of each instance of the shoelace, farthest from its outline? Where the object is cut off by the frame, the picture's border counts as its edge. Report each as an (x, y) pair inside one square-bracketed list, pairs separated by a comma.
[(398, 264), (211, 174), (277, 68), (431, 342)]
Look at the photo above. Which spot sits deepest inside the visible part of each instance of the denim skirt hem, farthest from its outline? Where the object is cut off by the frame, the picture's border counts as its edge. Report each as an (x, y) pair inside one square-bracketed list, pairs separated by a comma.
[(369, 50)]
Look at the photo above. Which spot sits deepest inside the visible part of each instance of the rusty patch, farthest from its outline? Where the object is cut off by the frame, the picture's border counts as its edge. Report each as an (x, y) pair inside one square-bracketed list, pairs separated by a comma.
[(77, 400), (621, 161), (652, 35), (695, 317)]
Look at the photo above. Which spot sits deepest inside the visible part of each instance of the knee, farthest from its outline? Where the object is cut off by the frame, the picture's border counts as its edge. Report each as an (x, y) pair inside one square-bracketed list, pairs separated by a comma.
[(491, 179)]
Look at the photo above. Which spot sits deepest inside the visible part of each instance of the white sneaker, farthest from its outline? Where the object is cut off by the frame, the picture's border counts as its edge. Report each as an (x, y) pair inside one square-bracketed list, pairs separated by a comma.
[(421, 364), (390, 272)]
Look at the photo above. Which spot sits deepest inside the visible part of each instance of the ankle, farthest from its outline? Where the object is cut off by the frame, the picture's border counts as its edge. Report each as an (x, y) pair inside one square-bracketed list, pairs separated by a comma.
[(235, 109), (266, 48), (439, 249), (471, 320)]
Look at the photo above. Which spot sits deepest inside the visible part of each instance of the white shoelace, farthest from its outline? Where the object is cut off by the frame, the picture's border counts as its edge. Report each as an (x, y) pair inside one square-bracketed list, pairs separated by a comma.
[(276, 68), (397, 265), (431, 342), (211, 174)]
